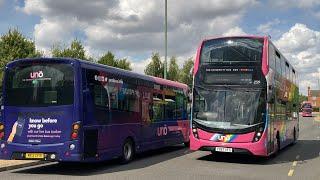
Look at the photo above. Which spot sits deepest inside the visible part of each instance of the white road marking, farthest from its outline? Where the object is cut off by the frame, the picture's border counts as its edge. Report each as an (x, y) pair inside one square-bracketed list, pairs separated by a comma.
[(290, 173)]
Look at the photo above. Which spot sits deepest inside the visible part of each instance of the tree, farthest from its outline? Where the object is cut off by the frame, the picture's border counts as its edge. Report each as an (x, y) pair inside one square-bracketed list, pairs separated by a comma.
[(76, 50), (13, 45), (173, 72), (124, 64), (155, 67), (186, 72), (110, 60), (302, 98)]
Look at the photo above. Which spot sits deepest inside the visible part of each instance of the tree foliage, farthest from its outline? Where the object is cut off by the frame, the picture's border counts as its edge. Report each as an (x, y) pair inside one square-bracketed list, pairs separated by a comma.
[(302, 98), (110, 60), (155, 67), (186, 72), (76, 50), (14, 45), (173, 71)]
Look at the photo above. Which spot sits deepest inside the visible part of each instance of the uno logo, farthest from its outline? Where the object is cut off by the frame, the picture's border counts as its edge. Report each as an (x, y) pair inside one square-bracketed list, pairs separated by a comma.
[(223, 138), (34, 75), (162, 131), (100, 78)]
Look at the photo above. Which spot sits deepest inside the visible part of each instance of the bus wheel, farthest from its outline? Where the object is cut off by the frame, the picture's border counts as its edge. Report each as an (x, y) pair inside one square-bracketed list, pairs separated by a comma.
[(127, 151)]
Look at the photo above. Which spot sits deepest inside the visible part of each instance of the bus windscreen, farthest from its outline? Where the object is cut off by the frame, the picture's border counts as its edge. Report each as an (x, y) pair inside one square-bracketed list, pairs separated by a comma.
[(39, 85), (231, 50)]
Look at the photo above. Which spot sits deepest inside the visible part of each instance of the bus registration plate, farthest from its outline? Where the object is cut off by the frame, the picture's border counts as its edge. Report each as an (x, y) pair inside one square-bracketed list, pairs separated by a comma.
[(34, 156), (223, 149)]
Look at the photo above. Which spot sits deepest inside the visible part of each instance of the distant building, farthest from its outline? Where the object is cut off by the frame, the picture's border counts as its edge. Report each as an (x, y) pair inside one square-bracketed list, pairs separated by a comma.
[(314, 97)]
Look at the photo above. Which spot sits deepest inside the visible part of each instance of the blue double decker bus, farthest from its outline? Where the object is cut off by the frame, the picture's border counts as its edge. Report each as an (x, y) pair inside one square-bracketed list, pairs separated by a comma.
[(60, 109)]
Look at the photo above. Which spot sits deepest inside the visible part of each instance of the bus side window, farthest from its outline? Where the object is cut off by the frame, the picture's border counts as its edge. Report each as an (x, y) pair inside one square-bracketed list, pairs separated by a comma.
[(170, 108), (180, 106), (98, 90), (113, 91), (100, 96), (157, 108), (271, 57), (128, 98)]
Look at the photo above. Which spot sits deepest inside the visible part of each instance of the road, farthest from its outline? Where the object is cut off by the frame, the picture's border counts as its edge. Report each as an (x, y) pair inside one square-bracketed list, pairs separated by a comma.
[(301, 161)]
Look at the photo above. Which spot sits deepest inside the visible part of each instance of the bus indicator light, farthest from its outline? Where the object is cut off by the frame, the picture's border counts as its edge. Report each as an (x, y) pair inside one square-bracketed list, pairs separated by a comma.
[(76, 126), (1, 131), (74, 135)]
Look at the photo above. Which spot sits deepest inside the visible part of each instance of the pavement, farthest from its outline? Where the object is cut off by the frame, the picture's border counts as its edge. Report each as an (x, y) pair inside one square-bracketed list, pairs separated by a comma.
[(14, 164), (299, 161)]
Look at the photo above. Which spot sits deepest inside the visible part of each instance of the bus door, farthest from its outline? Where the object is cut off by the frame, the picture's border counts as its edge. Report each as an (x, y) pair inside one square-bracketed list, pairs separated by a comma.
[(96, 112)]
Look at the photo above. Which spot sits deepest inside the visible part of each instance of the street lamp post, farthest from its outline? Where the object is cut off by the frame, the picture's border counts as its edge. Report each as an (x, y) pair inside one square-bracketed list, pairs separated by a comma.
[(318, 92), (165, 42)]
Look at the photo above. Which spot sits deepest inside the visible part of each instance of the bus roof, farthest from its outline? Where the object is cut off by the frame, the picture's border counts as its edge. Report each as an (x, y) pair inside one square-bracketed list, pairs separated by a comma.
[(243, 36), (160, 81)]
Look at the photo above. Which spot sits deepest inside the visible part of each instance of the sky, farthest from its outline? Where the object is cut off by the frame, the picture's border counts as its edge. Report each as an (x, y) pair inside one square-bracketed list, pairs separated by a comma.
[(135, 28)]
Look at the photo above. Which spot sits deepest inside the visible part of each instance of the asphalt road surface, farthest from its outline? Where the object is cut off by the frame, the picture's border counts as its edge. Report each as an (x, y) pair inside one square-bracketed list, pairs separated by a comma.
[(300, 161)]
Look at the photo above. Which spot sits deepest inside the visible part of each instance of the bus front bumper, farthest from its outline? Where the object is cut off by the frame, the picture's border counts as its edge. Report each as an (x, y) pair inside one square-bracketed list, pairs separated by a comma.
[(47, 152), (257, 149)]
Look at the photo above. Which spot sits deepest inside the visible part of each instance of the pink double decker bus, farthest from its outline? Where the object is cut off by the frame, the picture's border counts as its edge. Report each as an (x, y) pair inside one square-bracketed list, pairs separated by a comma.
[(245, 97)]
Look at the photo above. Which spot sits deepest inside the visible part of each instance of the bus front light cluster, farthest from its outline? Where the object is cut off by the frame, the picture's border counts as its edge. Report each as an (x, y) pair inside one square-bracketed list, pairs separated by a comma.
[(258, 134), (1, 131), (72, 147), (195, 131), (75, 130)]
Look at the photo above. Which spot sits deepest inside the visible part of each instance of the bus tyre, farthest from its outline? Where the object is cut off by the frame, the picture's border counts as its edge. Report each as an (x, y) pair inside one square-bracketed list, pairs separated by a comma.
[(127, 151)]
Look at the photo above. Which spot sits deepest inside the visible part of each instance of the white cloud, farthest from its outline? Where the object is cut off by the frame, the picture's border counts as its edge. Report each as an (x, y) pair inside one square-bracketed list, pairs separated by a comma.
[(49, 33), (133, 27), (139, 66), (301, 46), (234, 31), (295, 3), (268, 28)]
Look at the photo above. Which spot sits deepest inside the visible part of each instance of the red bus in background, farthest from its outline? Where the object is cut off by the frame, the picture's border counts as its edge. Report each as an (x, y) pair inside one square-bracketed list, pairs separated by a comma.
[(306, 108)]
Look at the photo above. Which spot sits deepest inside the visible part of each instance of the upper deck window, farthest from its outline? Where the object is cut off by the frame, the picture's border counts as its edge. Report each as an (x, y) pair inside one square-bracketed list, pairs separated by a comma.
[(39, 85), (232, 50)]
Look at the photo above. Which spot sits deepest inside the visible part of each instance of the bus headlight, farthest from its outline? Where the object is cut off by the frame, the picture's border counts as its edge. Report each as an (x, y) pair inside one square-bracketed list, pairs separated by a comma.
[(1, 131), (2, 146), (258, 134), (195, 131), (52, 156), (72, 146)]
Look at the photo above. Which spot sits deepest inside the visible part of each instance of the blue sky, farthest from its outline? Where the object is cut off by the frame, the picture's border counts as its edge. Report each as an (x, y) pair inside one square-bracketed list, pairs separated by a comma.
[(134, 28)]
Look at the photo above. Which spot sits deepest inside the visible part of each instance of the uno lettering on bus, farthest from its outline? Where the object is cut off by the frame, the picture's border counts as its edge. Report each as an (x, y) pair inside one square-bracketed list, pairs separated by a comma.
[(38, 74)]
